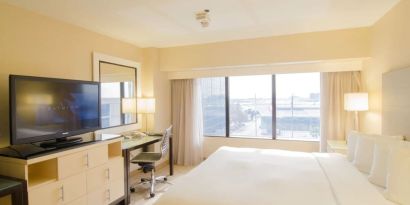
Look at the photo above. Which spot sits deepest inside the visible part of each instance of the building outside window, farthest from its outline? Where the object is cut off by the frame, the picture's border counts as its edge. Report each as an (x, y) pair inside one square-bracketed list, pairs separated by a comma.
[(254, 106)]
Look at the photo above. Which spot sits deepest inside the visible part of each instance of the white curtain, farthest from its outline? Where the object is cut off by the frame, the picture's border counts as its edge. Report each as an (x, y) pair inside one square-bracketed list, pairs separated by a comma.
[(335, 121), (187, 121)]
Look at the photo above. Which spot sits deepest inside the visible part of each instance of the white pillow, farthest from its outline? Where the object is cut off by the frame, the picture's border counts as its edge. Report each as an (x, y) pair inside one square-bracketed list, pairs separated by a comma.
[(364, 153), (378, 171), (351, 145), (398, 176), (363, 159)]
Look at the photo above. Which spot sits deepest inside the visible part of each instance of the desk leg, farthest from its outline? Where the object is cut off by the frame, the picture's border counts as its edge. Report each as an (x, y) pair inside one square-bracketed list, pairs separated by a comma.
[(126, 155), (17, 197), (171, 158)]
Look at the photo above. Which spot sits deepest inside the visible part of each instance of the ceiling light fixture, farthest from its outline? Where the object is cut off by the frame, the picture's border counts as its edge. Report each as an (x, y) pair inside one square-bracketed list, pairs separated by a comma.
[(203, 17)]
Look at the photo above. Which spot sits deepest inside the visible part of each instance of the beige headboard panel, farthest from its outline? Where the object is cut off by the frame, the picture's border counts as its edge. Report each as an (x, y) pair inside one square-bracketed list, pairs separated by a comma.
[(396, 103)]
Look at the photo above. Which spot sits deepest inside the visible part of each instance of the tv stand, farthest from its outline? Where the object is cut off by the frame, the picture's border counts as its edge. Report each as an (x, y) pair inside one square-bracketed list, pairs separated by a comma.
[(88, 174), (61, 142)]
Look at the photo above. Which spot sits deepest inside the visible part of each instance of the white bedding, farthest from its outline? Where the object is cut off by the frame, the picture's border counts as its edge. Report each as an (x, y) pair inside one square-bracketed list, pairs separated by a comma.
[(236, 176)]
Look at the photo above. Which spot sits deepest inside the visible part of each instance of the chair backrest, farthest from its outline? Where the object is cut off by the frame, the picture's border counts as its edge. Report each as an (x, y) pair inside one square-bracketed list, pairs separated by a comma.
[(165, 141)]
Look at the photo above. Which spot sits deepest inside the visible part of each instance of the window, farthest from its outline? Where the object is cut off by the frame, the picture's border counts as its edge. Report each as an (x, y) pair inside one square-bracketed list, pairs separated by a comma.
[(128, 92), (111, 104), (105, 115), (111, 95), (298, 106), (283, 106), (213, 106), (250, 106)]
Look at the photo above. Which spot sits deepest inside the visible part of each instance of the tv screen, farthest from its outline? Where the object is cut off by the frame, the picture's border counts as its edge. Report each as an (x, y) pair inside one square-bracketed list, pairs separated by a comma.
[(45, 108)]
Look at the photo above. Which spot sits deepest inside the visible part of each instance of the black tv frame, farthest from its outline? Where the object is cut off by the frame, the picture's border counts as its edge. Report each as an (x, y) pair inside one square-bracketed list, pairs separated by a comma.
[(42, 138)]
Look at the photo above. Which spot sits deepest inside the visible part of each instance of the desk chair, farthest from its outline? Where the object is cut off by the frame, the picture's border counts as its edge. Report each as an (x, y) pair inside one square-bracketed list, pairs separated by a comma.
[(147, 162)]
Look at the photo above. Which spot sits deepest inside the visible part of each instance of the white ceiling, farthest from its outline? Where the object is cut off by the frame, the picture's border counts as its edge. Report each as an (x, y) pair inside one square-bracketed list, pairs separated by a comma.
[(164, 23)]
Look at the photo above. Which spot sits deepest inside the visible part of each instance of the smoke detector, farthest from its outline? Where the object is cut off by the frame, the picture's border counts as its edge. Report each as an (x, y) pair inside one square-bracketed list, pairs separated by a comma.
[(203, 18)]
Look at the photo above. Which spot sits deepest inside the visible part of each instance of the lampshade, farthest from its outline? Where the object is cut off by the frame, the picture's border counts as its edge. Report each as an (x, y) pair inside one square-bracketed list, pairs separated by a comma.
[(146, 105), (129, 105), (356, 101)]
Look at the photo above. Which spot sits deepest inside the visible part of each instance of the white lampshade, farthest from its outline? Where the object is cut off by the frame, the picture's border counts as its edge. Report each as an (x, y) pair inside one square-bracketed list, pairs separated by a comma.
[(356, 101), (129, 105), (146, 105)]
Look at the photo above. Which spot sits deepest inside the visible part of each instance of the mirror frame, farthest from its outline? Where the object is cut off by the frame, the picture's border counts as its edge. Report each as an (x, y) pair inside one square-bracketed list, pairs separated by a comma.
[(99, 58)]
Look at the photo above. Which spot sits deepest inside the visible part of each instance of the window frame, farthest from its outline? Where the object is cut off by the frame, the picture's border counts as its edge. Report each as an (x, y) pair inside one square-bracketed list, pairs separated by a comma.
[(274, 113)]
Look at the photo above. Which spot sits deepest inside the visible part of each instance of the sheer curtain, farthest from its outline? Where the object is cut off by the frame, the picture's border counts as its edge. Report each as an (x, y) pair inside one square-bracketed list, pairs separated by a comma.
[(187, 121), (335, 121)]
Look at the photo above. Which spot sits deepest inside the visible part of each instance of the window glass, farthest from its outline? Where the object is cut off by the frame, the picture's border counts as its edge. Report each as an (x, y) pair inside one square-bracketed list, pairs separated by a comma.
[(110, 104), (213, 106), (129, 88), (250, 106), (105, 115), (298, 106)]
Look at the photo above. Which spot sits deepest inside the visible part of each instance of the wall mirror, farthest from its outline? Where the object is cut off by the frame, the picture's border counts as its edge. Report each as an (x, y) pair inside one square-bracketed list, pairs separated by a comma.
[(119, 90)]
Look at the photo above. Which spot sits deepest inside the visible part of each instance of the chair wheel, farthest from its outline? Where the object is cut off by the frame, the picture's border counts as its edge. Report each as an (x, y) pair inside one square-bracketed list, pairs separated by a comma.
[(143, 180), (151, 195), (132, 190), (165, 179)]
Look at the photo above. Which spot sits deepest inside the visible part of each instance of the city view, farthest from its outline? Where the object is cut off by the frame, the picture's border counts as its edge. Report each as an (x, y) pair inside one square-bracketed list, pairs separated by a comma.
[(250, 107)]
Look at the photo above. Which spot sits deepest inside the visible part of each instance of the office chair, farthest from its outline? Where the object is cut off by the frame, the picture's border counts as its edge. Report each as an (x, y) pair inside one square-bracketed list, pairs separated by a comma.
[(146, 160)]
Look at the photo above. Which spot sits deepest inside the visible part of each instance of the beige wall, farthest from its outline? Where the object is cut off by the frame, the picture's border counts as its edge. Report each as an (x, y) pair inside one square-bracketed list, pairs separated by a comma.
[(328, 45), (32, 44), (157, 84), (390, 50)]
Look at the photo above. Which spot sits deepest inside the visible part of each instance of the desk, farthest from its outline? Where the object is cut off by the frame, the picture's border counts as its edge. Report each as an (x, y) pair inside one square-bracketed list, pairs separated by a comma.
[(129, 145), (16, 187)]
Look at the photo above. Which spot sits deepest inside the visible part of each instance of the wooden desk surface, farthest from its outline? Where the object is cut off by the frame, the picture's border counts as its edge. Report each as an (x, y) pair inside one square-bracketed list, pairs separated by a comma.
[(135, 142)]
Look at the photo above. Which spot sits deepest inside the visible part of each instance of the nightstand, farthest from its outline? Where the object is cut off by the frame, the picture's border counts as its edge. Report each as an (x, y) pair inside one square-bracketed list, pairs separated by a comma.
[(337, 146)]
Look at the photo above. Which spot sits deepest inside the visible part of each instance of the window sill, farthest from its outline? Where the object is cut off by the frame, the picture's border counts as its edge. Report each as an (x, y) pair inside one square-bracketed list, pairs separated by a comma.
[(260, 138)]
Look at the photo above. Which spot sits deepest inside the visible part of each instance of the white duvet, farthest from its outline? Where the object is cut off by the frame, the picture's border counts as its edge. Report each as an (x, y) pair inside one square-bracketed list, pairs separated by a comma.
[(245, 176)]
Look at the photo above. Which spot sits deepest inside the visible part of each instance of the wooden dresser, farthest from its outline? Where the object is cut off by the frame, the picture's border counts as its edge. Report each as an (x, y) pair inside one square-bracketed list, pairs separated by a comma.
[(90, 174)]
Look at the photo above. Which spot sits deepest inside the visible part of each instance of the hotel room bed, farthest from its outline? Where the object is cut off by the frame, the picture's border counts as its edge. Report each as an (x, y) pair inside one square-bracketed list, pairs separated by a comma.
[(236, 176)]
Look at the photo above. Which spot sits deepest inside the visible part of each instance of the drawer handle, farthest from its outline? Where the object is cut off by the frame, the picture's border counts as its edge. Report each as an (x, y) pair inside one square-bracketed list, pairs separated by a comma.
[(62, 193), (108, 174), (108, 198), (87, 162)]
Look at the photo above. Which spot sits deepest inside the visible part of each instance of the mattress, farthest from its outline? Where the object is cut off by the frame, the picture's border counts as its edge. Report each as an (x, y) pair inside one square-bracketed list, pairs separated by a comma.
[(236, 176)]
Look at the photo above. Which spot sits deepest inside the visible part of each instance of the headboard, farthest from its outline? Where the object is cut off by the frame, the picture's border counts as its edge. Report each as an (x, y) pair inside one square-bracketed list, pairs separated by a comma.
[(396, 103)]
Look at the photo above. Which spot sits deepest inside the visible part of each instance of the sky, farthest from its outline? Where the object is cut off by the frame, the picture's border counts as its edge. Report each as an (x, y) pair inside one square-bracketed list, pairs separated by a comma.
[(110, 90), (298, 84)]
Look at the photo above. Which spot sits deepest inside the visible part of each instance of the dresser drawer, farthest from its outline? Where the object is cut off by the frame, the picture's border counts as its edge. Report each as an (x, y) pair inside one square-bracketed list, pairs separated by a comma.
[(116, 168), (60, 192), (49, 194), (80, 201), (97, 156), (72, 164), (97, 177), (116, 189), (74, 187), (100, 196)]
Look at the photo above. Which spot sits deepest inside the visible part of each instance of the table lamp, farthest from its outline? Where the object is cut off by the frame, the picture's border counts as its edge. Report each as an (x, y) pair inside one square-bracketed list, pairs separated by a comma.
[(146, 106), (356, 102)]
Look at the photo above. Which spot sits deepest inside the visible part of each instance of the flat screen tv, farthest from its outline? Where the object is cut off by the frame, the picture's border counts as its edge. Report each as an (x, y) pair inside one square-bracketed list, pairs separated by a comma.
[(46, 108)]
